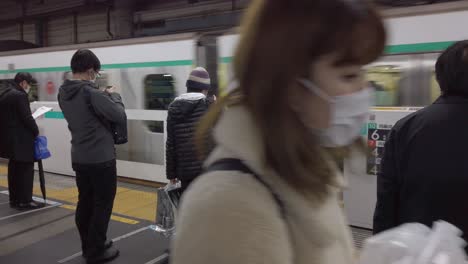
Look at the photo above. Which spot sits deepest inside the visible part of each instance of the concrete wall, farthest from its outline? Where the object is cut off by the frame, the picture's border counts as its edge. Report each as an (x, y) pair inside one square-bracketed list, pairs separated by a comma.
[(59, 28)]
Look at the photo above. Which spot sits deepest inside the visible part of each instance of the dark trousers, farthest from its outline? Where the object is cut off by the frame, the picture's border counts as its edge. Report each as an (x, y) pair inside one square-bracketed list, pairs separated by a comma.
[(20, 181), (97, 185)]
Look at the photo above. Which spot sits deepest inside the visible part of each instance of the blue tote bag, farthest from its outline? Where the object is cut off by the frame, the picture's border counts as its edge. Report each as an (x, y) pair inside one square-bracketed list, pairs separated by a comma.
[(41, 151)]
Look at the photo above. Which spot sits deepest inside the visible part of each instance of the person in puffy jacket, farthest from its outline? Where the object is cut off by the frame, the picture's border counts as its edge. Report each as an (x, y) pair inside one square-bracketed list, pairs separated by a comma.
[(182, 161)]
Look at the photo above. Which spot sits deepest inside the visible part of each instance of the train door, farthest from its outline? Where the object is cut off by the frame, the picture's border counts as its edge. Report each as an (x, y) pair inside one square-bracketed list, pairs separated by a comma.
[(207, 57), (147, 138)]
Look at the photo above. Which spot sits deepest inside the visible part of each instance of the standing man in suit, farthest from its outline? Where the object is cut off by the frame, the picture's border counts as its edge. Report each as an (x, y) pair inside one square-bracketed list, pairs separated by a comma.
[(19, 130)]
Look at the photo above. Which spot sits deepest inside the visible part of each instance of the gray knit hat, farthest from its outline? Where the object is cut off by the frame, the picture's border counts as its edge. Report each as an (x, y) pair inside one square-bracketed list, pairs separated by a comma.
[(199, 79)]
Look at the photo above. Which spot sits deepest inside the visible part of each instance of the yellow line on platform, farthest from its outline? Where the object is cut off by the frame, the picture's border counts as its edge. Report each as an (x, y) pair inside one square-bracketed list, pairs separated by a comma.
[(69, 207), (124, 220), (3, 170), (113, 217), (4, 183), (136, 204), (129, 202)]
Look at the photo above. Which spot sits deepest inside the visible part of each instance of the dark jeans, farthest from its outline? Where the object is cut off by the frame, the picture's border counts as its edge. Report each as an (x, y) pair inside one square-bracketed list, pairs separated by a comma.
[(20, 181), (97, 185)]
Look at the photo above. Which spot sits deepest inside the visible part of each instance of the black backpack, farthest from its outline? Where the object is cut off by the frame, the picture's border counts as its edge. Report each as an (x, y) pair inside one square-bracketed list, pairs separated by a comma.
[(118, 132)]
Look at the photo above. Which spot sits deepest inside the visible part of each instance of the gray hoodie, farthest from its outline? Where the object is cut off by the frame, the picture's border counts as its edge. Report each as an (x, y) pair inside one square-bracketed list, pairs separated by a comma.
[(92, 142)]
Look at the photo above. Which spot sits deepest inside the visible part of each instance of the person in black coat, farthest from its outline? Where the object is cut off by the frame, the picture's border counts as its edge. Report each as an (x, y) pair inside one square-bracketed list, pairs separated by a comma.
[(19, 130), (424, 175), (182, 161)]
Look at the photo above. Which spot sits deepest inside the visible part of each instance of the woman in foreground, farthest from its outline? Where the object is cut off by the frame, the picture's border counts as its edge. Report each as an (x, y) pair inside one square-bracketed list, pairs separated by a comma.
[(302, 95)]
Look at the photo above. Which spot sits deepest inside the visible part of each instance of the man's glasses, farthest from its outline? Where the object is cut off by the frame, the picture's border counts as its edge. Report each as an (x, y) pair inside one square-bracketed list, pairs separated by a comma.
[(98, 75)]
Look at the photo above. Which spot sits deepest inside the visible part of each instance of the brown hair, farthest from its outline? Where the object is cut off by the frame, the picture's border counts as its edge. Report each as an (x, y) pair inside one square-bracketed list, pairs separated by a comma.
[(279, 42)]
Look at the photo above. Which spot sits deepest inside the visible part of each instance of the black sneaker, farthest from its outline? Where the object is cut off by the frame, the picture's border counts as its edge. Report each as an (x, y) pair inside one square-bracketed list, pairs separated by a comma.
[(106, 256), (14, 205), (108, 244), (29, 206)]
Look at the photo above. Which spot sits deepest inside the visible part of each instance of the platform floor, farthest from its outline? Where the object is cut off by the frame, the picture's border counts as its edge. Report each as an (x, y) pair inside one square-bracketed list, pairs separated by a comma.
[(49, 235), (132, 200)]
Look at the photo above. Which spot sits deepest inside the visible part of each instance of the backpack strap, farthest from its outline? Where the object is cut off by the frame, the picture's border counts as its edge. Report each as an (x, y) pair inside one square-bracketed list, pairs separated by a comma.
[(238, 165), (58, 100), (87, 97)]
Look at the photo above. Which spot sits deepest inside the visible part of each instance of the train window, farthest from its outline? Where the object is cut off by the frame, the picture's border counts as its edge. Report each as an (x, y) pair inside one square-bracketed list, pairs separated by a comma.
[(405, 80), (159, 93), (435, 88), (384, 79), (430, 62), (4, 82), (33, 94)]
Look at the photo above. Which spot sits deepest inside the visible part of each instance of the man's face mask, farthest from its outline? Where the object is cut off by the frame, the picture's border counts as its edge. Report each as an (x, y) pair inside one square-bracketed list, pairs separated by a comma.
[(26, 86), (94, 75)]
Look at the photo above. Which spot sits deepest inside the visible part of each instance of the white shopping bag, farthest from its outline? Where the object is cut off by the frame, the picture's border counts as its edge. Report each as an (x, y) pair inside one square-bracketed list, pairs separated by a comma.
[(416, 244), (168, 199)]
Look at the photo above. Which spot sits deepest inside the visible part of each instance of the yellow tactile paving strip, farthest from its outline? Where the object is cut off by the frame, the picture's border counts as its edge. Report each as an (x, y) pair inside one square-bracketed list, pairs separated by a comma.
[(113, 217), (3, 169), (136, 204)]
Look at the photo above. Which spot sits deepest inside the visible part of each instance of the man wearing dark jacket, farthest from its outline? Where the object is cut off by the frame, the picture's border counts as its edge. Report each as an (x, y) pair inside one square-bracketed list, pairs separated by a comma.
[(17, 136), (87, 110), (182, 162), (424, 176)]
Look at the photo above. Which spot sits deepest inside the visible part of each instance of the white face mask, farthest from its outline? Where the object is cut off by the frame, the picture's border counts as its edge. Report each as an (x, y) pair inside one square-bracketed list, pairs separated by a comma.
[(348, 113), (28, 89), (94, 75)]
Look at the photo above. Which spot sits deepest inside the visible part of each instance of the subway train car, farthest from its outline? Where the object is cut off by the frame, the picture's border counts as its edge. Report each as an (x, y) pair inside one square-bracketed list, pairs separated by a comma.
[(151, 72)]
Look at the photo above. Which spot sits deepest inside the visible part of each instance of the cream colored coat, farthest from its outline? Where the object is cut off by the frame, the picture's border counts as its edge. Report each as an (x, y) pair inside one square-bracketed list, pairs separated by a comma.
[(230, 218)]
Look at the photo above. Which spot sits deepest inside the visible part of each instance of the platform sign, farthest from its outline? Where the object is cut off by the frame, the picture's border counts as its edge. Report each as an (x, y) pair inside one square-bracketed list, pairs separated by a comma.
[(377, 131), (377, 135), (360, 169)]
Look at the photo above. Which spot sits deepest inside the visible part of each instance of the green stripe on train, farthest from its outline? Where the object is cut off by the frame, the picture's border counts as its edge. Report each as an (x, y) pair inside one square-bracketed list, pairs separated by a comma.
[(418, 47), (109, 66), (389, 50), (54, 115), (226, 60), (399, 49)]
